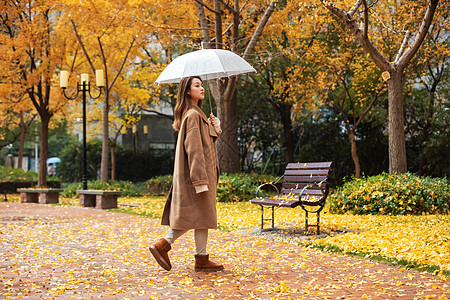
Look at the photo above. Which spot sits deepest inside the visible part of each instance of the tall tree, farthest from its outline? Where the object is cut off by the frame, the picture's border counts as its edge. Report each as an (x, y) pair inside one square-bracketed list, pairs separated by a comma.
[(412, 20), (175, 26), (224, 90), (31, 50), (107, 39), (425, 106)]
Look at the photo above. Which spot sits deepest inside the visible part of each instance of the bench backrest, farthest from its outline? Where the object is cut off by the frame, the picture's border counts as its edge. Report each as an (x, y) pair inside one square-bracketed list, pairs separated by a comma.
[(299, 175)]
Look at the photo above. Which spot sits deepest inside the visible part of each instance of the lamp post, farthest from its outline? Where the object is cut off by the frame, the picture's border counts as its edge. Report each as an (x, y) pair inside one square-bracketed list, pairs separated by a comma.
[(85, 87), (134, 132)]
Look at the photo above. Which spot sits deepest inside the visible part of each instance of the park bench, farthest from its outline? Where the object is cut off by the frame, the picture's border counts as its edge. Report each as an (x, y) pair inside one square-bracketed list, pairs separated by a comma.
[(98, 198), (43, 196), (304, 184)]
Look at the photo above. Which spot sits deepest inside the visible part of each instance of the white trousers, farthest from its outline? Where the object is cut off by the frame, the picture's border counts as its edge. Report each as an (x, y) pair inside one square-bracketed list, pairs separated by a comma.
[(200, 236)]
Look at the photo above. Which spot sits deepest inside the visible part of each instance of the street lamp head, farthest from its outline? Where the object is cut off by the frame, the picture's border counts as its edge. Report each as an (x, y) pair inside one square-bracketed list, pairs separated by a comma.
[(84, 78), (100, 78), (64, 78)]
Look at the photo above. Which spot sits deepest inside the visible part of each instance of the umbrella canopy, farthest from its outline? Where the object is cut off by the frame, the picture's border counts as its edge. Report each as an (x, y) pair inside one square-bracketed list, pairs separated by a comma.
[(206, 63), (53, 160)]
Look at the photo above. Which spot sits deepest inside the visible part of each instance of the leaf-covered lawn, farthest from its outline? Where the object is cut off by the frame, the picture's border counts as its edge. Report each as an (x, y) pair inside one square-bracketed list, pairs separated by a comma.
[(76, 253), (420, 240), (411, 240)]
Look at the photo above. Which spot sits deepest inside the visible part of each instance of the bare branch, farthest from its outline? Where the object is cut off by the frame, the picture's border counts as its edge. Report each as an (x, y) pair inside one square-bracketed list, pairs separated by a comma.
[(149, 55), (403, 46), (379, 93), (411, 51), (366, 20), (258, 32), (82, 45), (109, 25), (204, 5), (123, 62), (166, 27), (355, 7), (203, 23), (228, 6), (365, 43), (72, 67), (157, 112), (105, 66), (243, 6)]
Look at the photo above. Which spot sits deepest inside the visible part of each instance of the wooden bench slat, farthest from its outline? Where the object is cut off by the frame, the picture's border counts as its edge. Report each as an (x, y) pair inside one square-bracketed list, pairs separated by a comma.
[(305, 178), (307, 172), (311, 165), (305, 192), (300, 185), (275, 202), (285, 202)]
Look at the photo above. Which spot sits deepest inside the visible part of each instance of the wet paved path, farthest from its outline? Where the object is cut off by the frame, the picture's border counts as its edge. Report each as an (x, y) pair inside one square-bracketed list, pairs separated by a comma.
[(49, 252)]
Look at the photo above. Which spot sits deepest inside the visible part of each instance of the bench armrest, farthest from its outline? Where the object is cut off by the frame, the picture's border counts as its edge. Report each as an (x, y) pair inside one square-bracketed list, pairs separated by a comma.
[(317, 184), (267, 183)]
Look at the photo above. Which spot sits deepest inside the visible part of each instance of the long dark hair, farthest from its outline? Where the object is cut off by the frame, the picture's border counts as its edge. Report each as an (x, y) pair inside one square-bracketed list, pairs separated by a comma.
[(184, 101)]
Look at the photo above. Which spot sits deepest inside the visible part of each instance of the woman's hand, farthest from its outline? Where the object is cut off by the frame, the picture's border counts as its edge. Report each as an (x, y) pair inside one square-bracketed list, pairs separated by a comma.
[(215, 122)]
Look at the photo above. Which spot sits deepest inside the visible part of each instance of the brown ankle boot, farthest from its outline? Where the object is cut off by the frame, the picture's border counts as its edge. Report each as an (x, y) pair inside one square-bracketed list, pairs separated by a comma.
[(203, 264), (159, 251)]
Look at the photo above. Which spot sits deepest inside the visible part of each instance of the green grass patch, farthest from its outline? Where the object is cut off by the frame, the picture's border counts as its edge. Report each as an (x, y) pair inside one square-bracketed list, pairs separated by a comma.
[(410, 265)]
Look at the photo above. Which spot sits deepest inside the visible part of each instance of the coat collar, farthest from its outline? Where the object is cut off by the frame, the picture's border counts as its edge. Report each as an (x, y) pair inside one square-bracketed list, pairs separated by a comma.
[(212, 132), (200, 111)]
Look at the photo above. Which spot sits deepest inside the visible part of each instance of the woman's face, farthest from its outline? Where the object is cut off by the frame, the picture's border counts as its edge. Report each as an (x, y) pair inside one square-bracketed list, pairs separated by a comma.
[(197, 92)]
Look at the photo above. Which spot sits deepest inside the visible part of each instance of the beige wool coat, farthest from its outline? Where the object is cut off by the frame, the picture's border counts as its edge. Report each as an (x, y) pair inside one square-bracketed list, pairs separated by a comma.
[(196, 164)]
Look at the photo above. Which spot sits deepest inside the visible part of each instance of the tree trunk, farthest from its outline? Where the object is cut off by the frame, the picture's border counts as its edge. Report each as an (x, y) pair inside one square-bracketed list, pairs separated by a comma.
[(422, 157), (397, 147), (227, 145), (218, 24), (352, 138), (113, 161), (203, 24), (23, 131), (285, 109), (43, 154), (105, 135)]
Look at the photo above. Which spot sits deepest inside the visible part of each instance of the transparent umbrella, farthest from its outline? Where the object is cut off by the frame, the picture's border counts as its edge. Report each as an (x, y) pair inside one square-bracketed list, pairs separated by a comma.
[(206, 63), (52, 160)]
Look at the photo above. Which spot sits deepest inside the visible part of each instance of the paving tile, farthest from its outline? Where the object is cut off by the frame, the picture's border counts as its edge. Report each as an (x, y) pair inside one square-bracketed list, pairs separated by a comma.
[(49, 252)]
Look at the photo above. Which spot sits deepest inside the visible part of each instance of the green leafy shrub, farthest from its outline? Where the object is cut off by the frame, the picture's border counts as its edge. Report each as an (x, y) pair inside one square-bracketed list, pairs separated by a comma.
[(398, 194), (126, 187), (159, 184), (231, 188), (14, 175), (240, 187)]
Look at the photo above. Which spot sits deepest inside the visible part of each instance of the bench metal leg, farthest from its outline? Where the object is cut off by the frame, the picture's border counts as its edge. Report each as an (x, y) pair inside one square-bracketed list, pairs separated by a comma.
[(273, 217), (306, 220), (318, 222), (262, 217)]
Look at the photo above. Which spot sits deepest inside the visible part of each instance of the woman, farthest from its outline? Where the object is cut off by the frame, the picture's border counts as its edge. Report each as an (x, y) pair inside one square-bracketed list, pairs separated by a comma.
[(191, 203)]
